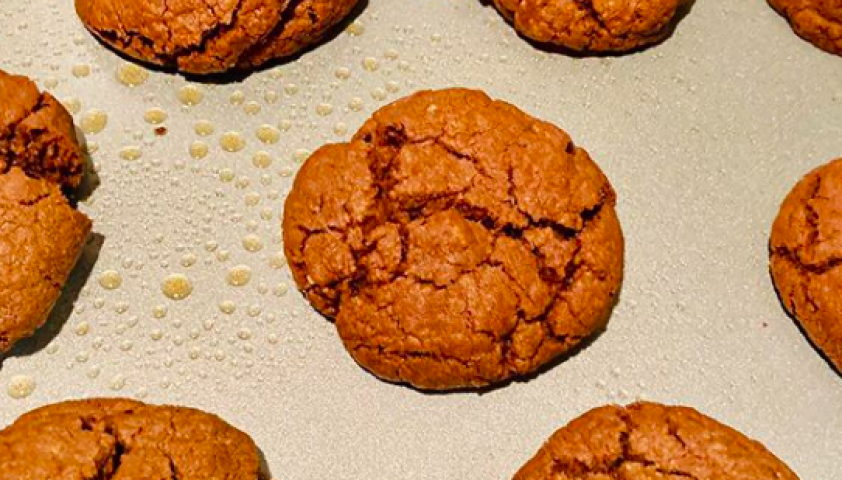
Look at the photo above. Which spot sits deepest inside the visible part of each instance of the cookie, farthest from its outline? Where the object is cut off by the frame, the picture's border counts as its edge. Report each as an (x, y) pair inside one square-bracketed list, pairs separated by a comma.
[(211, 36), (37, 133), (457, 241), (592, 25), (651, 441), (124, 439), (806, 257), (41, 237), (817, 21)]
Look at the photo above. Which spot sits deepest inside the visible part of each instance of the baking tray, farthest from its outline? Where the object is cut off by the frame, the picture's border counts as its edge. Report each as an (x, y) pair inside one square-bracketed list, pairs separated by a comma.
[(702, 136)]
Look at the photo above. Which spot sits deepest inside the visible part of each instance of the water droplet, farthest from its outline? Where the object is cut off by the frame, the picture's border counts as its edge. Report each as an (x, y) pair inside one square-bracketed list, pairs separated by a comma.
[(378, 94), (244, 334), (21, 386), (110, 280), (130, 153), (131, 75), (324, 109), (227, 175), (81, 70), (232, 142), (391, 54), (239, 276), (271, 96), (252, 108), (301, 155), (203, 128), (343, 73), (252, 199), (177, 286), (280, 289), (156, 334), (190, 95), (252, 243), (262, 160), (356, 104), (268, 134), (82, 328), (291, 88), (355, 29), (94, 121), (237, 98), (278, 261), (393, 86), (199, 150), (340, 129), (285, 125), (117, 383), (227, 307), (371, 64), (188, 260), (94, 372), (72, 104), (155, 116)]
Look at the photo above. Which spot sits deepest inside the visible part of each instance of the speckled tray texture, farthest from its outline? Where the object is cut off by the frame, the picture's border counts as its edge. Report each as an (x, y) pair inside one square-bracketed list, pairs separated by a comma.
[(702, 136)]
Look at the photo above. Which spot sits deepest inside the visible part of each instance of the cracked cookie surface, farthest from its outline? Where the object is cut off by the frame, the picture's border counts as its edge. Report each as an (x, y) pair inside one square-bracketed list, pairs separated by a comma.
[(211, 36), (116, 439), (457, 241), (817, 21), (648, 441), (37, 133), (806, 257), (41, 237), (592, 25)]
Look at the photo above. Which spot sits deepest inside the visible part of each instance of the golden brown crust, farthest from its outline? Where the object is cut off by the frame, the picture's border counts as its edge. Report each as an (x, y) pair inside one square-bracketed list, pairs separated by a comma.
[(41, 237), (647, 441), (211, 36), (117, 439), (37, 133), (817, 21), (592, 25), (806, 257), (457, 241)]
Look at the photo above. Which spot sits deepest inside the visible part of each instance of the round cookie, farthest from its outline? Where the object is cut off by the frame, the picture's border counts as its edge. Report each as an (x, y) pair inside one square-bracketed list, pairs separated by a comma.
[(457, 241), (37, 133), (651, 441), (592, 25), (211, 36), (806, 257), (817, 21), (41, 237), (124, 439)]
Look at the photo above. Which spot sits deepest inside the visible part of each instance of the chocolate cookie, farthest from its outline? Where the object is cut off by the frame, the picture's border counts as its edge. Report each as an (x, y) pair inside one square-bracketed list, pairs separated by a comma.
[(211, 36), (37, 133), (123, 439), (592, 25), (41, 237), (456, 240), (651, 441), (806, 257), (818, 21)]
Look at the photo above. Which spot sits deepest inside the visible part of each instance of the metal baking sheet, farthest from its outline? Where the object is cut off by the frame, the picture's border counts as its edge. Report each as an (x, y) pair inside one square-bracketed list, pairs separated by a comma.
[(702, 136)]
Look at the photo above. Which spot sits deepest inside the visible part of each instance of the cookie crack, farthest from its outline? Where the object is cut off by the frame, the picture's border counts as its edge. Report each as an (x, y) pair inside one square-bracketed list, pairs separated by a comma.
[(12, 131), (285, 18)]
